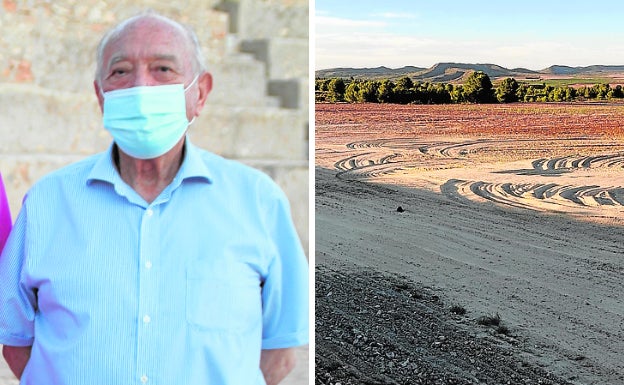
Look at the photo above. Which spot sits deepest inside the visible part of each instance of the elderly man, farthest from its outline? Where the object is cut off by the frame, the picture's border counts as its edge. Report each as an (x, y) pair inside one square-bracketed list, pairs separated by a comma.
[(154, 262)]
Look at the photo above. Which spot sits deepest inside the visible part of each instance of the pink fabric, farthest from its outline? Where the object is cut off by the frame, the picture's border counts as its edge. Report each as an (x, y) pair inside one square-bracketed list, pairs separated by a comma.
[(5, 216)]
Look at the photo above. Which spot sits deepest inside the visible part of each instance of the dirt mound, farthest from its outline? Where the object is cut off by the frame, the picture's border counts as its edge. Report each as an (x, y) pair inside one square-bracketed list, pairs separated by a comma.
[(373, 328)]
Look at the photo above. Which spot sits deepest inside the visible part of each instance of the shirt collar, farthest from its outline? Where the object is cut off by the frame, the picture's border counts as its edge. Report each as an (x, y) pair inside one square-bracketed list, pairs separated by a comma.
[(192, 167)]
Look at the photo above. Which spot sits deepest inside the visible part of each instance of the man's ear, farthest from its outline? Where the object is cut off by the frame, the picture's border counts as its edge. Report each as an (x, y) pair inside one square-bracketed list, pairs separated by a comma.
[(99, 94), (204, 84)]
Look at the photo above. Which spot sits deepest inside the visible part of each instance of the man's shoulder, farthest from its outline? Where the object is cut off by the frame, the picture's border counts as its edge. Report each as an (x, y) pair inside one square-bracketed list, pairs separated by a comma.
[(73, 173), (221, 168)]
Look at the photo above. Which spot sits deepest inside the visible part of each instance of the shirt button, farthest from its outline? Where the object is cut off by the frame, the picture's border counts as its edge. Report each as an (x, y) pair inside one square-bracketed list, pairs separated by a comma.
[(144, 379), (149, 212), (146, 319), (148, 264)]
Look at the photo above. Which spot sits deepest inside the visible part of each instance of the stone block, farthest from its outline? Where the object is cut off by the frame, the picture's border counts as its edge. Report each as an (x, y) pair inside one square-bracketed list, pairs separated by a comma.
[(54, 45), (20, 172), (252, 133), (287, 62), (44, 121), (301, 374), (273, 18), (288, 92), (240, 81), (288, 58), (49, 115), (285, 58), (293, 179), (296, 184)]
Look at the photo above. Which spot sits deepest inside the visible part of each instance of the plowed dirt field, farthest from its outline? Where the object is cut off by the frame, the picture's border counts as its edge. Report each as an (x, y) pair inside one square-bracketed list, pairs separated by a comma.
[(508, 212)]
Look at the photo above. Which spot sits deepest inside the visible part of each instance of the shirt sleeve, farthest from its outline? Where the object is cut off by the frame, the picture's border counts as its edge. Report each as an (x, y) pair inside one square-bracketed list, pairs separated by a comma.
[(285, 289), (17, 303)]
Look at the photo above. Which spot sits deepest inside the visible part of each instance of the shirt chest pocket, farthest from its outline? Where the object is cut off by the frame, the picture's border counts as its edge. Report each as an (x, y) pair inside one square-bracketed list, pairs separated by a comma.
[(222, 298)]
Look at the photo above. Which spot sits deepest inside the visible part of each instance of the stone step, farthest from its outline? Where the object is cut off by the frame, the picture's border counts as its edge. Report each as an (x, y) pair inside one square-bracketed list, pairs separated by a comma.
[(292, 93), (65, 60), (77, 31), (287, 62), (43, 130), (286, 58), (49, 116), (39, 120), (240, 80), (253, 133)]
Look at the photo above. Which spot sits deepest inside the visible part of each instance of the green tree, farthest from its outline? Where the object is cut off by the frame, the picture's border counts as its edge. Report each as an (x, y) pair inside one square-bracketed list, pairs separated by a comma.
[(601, 90), (534, 93), (352, 92), (321, 84), (590, 92), (558, 94), (335, 90), (405, 83), (522, 90), (436, 93), (616, 92), (478, 88), (570, 94), (368, 92), (506, 92), (457, 94), (404, 90), (385, 92)]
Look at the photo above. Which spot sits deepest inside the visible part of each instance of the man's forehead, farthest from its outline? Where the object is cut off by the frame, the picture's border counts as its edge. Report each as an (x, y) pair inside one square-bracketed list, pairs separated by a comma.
[(148, 38), (126, 48)]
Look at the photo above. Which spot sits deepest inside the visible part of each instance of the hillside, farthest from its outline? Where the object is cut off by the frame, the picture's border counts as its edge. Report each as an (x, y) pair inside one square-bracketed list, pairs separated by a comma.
[(367, 73), (454, 72)]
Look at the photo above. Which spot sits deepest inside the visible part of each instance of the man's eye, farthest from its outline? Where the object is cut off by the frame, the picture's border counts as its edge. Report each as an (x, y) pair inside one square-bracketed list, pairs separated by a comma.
[(117, 72), (164, 69)]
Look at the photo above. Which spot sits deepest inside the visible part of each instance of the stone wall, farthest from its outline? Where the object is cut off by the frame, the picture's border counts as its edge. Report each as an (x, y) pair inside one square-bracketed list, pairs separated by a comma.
[(257, 51)]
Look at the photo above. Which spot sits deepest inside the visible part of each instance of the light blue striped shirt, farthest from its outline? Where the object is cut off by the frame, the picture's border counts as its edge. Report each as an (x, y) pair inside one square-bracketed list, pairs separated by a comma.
[(186, 290)]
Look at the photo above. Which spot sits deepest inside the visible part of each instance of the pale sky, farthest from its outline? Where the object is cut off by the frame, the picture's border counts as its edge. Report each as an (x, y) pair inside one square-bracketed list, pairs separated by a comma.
[(533, 34)]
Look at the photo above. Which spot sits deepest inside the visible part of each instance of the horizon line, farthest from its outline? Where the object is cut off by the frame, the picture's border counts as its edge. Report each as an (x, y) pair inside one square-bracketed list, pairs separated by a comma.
[(464, 63)]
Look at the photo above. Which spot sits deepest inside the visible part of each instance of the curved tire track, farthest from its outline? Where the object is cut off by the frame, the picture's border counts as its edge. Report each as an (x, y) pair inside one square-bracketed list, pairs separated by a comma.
[(575, 162), (392, 154), (534, 196)]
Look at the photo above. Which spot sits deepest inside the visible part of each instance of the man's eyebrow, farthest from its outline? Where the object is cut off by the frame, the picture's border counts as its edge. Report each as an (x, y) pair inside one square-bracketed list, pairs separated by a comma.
[(172, 58), (116, 59), (167, 57)]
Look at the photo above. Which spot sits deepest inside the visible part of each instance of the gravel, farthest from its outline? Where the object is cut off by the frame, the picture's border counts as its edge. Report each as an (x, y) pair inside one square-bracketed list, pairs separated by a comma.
[(372, 328)]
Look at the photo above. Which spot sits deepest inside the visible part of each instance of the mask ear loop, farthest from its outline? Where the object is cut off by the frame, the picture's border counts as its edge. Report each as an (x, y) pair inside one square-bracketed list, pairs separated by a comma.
[(191, 84), (100, 89), (185, 89)]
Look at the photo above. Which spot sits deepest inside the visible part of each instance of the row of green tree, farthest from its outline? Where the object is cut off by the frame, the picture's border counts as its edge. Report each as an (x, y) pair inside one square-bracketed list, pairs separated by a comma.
[(477, 88)]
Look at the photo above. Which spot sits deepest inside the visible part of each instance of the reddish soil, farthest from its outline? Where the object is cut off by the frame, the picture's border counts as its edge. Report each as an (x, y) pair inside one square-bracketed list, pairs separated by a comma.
[(525, 120)]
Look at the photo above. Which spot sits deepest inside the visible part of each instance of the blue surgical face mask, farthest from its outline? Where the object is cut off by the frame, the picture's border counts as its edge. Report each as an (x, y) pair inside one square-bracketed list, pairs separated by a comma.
[(146, 121)]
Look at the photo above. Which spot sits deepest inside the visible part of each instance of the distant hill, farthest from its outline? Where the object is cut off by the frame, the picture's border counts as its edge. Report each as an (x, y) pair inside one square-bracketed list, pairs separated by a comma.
[(590, 70), (382, 72), (455, 72)]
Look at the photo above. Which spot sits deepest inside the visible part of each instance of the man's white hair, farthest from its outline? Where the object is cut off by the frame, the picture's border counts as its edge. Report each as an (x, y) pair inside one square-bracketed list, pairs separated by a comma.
[(197, 59)]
